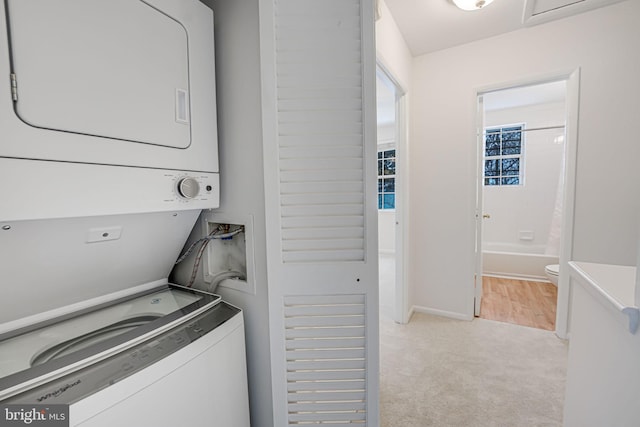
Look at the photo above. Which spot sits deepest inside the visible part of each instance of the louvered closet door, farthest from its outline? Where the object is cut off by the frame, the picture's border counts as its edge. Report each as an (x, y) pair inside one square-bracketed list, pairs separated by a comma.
[(320, 183)]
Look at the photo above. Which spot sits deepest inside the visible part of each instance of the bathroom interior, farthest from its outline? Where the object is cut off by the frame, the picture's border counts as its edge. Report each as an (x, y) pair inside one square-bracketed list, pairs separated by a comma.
[(522, 202), (522, 223)]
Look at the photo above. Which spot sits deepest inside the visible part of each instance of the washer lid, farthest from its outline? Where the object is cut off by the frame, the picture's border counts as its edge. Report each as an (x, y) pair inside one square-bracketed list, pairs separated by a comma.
[(79, 384), (117, 69), (44, 349)]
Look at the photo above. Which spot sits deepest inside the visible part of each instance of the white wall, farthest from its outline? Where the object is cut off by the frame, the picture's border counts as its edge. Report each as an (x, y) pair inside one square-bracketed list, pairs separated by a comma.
[(391, 50), (530, 206), (442, 162), (242, 194), (637, 290)]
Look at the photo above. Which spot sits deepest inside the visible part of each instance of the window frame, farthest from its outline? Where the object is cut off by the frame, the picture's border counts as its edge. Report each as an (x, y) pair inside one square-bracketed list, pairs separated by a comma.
[(382, 148), (500, 157)]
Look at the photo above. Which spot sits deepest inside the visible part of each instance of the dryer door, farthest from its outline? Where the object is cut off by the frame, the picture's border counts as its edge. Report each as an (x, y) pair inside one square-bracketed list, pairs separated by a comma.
[(117, 69)]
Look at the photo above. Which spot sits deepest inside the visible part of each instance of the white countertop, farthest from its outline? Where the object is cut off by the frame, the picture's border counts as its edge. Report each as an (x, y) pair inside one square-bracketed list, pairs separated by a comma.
[(614, 285)]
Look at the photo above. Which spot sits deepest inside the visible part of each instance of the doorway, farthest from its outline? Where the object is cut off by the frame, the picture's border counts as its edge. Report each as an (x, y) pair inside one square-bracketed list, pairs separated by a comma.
[(391, 143), (525, 199)]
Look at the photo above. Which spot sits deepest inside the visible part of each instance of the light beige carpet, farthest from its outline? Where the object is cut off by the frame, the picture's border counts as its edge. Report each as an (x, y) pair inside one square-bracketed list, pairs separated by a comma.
[(448, 373)]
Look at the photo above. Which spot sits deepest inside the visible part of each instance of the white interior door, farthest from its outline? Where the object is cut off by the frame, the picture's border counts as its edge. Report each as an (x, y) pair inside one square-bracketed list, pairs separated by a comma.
[(479, 194), (320, 152)]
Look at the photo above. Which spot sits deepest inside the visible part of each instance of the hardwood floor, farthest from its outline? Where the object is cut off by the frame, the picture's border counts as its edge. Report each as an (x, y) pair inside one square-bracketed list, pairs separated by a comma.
[(522, 302)]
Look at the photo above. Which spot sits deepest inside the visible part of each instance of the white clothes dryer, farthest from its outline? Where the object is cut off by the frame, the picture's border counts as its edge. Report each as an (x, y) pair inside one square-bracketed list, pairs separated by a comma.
[(112, 100)]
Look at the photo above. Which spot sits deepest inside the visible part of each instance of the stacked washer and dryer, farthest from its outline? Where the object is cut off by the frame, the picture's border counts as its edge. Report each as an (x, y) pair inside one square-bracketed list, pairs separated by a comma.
[(108, 154)]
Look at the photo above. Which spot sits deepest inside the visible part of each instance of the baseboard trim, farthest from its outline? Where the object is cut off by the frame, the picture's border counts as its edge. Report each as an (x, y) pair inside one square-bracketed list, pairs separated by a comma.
[(441, 313), (516, 276), (411, 311)]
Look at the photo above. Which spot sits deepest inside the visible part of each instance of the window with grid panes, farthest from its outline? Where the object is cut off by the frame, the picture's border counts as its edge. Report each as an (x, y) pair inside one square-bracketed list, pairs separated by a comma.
[(387, 179), (503, 155)]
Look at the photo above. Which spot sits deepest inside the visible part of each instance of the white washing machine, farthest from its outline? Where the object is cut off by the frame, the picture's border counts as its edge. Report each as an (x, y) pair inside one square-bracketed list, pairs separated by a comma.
[(171, 356)]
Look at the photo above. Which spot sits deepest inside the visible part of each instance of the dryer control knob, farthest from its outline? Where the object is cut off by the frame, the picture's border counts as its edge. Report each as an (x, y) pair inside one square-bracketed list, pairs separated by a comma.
[(188, 188)]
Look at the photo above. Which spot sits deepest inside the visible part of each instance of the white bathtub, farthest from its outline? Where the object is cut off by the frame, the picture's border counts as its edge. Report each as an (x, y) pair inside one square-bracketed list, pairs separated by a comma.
[(516, 261)]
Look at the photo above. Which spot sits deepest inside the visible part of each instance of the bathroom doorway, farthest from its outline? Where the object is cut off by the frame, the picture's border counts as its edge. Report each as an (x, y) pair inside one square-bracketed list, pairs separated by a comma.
[(391, 151), (523, 158)]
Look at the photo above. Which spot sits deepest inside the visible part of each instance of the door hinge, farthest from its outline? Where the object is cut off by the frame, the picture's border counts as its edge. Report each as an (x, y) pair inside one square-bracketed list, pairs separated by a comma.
[(14, 87)]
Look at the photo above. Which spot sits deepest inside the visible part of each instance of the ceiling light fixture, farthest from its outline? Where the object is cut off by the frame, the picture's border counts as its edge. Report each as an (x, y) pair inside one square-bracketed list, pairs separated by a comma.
[(471, 4)]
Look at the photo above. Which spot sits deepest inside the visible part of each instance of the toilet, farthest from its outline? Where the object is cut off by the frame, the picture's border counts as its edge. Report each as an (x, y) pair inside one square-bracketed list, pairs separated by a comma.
[(552, 271)]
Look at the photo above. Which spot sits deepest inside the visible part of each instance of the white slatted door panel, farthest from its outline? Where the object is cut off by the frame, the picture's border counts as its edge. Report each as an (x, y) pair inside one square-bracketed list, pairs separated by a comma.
[(320, 130), (325, 358), (318, 65)]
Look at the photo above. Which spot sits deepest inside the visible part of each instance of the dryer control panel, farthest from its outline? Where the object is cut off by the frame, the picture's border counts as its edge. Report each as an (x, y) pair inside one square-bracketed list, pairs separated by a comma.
[(190, 187), (62, 190)]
